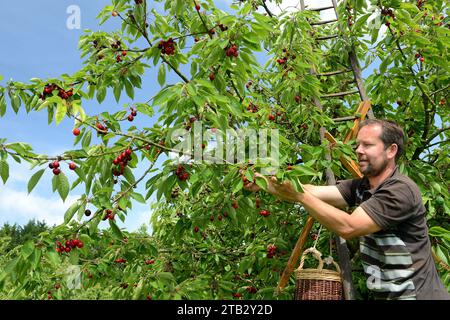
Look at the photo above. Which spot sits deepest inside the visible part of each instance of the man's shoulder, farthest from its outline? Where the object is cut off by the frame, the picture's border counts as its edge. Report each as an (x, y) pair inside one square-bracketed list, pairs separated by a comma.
[(400, 180)]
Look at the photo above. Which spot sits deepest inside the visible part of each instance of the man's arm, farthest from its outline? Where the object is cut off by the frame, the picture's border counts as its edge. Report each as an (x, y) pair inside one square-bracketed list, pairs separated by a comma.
[(346, 225), (329, 194)]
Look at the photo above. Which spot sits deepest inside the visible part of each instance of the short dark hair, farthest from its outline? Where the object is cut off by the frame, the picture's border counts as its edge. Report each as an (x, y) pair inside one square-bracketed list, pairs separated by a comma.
[(391, 133)]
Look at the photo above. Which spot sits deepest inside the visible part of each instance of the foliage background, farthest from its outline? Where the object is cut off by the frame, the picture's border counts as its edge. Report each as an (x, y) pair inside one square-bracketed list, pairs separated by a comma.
[(241, 254)]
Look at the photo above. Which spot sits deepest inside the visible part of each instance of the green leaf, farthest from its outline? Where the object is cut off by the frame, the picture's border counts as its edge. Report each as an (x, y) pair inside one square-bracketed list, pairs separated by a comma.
[(162, 74), (138, 197), (27, 249), (71, 212), (54, 258), (101, 94), (129, 89), (4, 171), (261, 182), (117, 92), (35, 179), (238, 185), (2, 106), (115, 229), (15, 103), (61, 183), (128, 174), (61, 111), (440, 232)]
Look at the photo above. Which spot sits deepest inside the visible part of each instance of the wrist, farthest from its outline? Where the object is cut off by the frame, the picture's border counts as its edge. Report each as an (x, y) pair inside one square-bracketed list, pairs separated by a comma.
[(300, 196)]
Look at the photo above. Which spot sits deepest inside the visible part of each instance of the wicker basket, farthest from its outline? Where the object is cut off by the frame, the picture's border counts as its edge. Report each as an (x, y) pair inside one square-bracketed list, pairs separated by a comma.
[(318, 284)]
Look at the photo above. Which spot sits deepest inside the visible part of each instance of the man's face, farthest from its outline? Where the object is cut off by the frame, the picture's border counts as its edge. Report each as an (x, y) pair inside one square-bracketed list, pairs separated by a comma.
[(370, 150)]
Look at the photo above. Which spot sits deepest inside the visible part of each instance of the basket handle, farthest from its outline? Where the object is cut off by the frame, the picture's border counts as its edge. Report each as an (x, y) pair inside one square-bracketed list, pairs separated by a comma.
[(316, 253)]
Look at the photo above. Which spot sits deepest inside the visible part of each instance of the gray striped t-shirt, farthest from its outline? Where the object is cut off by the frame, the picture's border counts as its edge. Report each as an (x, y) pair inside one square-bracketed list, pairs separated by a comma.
[(397, 260)]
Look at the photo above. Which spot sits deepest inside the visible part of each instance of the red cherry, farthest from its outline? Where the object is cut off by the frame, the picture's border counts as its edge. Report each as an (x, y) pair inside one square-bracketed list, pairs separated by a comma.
[(124, 53), (197, 7), (80, 244), (219, 217), (130, 118), (422, 59), (149, 261), (235, 205), (72, 166), (56, 171), (55, 164), (196, 229), (76, 131), (271, 117), (114, 13), (297, 99), (67, 249), (212, 76), (211, 217)]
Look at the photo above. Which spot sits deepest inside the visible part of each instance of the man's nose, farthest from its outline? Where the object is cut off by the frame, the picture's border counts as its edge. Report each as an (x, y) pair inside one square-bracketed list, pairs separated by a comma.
[(359, 150)]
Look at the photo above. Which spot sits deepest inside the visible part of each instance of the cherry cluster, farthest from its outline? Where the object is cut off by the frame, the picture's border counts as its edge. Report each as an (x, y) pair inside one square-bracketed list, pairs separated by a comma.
[(251, 289), (222, 27), (284, 59), (56, 167), (120, 55), (419, 56), (264, 213), (49, 88), (231, 51), (70, 244), (132, 115), (109, 215), (388, 12), (167, 47), (122, 161), (101, 128), (271, 251), (181, 173), (252, 108)]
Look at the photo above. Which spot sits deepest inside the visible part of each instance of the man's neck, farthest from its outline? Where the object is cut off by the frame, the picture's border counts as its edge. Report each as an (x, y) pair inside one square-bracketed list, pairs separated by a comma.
[(377, 180)]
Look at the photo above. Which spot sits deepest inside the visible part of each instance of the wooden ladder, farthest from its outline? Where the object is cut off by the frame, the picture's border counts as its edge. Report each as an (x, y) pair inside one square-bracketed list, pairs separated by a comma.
[(363, 110)]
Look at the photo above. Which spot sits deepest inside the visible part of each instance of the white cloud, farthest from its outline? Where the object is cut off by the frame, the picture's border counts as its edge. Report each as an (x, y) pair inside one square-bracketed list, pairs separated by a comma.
[(18, 206), (294, 5)]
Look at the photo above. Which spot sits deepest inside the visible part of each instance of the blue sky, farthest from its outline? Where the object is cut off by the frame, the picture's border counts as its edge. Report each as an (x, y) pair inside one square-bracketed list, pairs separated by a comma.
[(36, 42)]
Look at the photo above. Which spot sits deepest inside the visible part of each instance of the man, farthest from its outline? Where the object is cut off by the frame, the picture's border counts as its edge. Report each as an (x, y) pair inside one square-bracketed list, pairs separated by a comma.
[(389, 217)]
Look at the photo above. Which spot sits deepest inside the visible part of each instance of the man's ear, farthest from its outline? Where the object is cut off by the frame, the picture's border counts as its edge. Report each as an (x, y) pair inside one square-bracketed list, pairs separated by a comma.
[(392, 150)]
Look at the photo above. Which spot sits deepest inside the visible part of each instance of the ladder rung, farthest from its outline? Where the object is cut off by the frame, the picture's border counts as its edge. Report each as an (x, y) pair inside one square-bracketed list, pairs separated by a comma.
[(332, 73), (344, 119), (327, 37), (323, 22), (339, 94), (321, 9)]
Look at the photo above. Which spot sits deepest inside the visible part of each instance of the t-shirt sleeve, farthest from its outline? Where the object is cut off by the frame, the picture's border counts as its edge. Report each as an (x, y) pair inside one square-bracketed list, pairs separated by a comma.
[(390, 205), (347, 188)]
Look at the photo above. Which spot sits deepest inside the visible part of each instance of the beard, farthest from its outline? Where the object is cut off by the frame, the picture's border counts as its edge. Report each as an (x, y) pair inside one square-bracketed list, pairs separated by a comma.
[(371, 170)]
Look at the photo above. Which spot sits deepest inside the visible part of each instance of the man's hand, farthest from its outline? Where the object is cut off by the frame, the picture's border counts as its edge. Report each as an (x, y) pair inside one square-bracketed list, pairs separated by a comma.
[(284, 190)]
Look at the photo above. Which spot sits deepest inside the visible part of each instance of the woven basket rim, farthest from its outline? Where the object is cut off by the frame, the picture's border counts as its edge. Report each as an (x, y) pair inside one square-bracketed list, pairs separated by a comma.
[(318, 274)]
